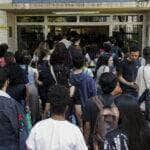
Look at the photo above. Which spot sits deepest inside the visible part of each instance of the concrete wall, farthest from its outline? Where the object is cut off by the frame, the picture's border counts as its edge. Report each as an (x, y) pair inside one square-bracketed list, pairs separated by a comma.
[(147, 26), (11, 23), (8, 30), (3, 27), (5, 1)]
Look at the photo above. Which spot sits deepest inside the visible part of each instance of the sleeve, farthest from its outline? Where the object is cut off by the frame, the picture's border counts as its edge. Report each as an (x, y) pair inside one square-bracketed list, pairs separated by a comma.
[(30, 143), (90, 72), (80, 142), (106, 69), (92, 88)]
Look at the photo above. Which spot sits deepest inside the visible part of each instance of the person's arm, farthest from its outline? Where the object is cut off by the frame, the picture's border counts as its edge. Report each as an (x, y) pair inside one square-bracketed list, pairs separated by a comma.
[(72, 91), (122, 80), (117, 143), (130, 84)]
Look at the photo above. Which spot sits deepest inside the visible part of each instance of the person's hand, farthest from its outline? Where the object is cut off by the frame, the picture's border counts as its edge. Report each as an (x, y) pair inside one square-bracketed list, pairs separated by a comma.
[(40, 83), (133, 85)]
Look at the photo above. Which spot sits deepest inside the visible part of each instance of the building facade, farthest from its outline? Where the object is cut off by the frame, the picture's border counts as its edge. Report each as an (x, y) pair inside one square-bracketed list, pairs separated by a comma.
[(25, 22)]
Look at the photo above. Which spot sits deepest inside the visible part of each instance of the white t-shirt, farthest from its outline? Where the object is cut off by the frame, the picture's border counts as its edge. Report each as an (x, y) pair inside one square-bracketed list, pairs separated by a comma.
[(102, 69), (51, 134), (140, 80)]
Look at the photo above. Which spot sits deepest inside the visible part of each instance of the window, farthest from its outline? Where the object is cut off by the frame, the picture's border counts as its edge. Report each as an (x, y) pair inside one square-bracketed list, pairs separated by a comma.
[(62, 18), (30, 19), (94, 18), (130, 18)]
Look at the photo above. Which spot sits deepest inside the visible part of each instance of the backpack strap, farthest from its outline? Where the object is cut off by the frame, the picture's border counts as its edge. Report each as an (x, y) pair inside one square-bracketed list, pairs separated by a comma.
[(98, 101), (53, 73), (144, 78)]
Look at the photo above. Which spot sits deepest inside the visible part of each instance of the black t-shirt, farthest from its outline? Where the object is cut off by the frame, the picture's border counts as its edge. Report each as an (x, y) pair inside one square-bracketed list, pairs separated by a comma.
[(128, 70)]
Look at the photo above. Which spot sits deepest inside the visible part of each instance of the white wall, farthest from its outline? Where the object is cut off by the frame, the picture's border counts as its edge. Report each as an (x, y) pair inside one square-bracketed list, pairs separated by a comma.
[(3, 27), (5, 1), (11, 22)]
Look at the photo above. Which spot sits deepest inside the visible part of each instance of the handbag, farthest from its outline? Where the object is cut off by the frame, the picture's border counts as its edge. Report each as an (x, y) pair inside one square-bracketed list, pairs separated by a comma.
[(145, 99)]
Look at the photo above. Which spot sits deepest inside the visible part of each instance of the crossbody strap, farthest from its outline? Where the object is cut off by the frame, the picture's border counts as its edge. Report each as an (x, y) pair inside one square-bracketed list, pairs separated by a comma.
[(144, 78), (53, 73), (98, 102)]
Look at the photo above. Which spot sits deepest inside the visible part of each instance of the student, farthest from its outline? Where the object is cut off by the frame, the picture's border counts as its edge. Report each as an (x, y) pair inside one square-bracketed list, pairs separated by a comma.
[(144, 73), (16, 88), (106, 118), (102, 65), (60, 62), (127, 72), (56, 132), (86, 69), (45, 79), (133, 132), (85, 88), (10, 119), (3, 50)]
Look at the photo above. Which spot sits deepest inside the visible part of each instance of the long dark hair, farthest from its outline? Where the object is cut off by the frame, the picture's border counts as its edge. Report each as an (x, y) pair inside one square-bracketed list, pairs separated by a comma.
[(133, 123), (102, 60)]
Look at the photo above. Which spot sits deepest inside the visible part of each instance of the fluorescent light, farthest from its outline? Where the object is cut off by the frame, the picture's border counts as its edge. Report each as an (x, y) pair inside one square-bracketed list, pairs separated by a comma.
[(76, 12)]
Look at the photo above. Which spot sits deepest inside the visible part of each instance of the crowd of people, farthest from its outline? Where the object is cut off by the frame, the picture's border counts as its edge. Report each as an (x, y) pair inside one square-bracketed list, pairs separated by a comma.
[(67, 96)]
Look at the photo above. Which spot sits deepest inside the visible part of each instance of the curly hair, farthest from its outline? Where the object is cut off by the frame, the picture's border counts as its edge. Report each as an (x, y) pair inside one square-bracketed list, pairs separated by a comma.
[(108, 82), (58, 98)]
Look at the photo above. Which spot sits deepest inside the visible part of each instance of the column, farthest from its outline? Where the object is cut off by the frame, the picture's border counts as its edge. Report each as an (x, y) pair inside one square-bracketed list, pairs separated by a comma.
[(45, 27), (111, 26), (3, 27), (144, 30)]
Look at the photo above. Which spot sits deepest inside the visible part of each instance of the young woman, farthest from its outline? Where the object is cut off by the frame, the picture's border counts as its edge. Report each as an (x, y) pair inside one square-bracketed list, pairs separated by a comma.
[(103, 65), (133, 132), (45, 79)]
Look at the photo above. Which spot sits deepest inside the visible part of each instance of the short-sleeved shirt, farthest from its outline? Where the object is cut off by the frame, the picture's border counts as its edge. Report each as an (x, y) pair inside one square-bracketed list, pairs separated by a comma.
[(128, 70), (52, 134), (143, 72), (102, 69)]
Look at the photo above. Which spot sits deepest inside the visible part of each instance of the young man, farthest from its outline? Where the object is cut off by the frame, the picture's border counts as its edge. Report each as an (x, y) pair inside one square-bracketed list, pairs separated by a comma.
[(106, 117), (9, 123), (85, 88), (127, 72), (55, 132)]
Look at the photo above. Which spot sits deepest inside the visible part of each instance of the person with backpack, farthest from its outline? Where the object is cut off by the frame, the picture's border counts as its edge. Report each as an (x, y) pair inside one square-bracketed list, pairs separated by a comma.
[(13, 127), (85, 88), (45, 79), (3, 50), (128, 69), (60, 62), (143, 82), (105, 113), (133, 131), (33, 95)]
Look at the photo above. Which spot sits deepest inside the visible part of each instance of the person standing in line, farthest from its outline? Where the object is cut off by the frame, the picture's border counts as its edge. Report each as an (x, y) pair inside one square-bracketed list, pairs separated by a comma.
[(127, 71), (13, 127), (144, 72), (56, 132), (133, 132)]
